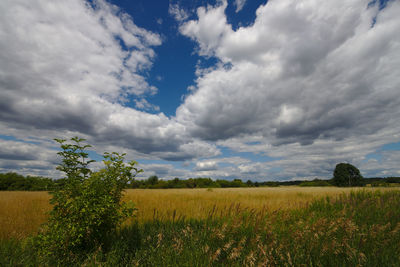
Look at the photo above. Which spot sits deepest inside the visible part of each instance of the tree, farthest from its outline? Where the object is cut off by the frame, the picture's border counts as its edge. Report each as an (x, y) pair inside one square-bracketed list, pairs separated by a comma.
[(249, 183), (152, 180), (88, 207), (346, 174)]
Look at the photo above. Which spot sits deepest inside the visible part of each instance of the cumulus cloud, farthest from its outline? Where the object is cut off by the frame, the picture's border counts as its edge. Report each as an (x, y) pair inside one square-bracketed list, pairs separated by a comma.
[(59, 60), (301, 72), (307, 85), (28, 158), (208, 29), (163, 171), (69, 67), (296, 161), (18, 151)]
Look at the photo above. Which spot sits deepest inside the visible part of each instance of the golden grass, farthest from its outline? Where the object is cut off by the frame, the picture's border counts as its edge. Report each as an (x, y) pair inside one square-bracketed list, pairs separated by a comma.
[(22, 213), (165, 204)]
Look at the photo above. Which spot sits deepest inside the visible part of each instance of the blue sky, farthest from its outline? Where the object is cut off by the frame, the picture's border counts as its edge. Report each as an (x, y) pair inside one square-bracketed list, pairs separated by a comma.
[(277, 90)]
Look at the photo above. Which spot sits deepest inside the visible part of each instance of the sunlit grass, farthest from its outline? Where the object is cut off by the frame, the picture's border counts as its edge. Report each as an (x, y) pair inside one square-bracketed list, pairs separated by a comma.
[(22, 213), (198, 203)]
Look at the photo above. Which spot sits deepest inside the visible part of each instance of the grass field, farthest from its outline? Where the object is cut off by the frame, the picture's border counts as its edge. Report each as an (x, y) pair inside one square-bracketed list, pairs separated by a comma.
[(199, 203), (22, 213), (288, 226)]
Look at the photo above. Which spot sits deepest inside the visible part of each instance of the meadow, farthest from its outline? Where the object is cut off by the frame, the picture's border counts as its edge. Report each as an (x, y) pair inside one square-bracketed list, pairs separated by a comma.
[(22, 212), (200, 203), (279, 226)]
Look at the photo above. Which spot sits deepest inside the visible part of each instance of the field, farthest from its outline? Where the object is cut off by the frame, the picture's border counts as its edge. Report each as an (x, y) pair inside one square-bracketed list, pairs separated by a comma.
[(22, 213), (283, 226), (199, 203)]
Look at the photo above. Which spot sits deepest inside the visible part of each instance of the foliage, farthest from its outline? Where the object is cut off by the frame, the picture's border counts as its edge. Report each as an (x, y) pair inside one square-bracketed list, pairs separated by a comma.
[(15, 182), (152, 180), (376, 181), (380, 184), (88, 209), (201, 182), (346, 174), (12, 181), (315, 182)]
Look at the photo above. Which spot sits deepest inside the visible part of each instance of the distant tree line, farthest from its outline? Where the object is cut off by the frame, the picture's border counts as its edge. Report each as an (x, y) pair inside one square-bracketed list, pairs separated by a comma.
[(15, 182), (12, 181), (201, 182)]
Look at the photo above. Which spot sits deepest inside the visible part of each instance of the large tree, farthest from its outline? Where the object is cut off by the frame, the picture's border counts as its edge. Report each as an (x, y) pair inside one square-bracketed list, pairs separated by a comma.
[(346, 174)]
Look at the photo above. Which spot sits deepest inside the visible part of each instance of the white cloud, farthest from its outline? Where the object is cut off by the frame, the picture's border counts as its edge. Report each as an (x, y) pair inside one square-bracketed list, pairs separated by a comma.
[(188, 150), (17, 150), (67, 50), (209, 165), (209, 29), (303, 77), (308, 85), (28, 158), (388, 165), (177, 12), (144, 105), (239, 5), (68, 67), (302, 89)]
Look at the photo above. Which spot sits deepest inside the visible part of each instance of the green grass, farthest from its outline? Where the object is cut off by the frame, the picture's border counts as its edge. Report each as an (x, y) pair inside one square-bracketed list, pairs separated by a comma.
[(357, 229)]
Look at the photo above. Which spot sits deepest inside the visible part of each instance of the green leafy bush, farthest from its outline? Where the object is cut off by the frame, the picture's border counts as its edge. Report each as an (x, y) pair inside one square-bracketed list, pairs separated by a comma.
[(88, 209)]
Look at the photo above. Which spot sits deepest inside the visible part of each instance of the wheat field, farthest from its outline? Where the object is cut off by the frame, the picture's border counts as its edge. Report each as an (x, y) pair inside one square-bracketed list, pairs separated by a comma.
[(22, 213)]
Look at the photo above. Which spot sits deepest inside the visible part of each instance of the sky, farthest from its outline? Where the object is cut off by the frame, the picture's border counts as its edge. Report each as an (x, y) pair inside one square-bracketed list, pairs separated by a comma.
[(260, 90)]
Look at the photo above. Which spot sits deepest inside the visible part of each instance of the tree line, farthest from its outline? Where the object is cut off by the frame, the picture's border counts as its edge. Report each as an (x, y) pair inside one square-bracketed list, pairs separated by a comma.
[(12, 181)]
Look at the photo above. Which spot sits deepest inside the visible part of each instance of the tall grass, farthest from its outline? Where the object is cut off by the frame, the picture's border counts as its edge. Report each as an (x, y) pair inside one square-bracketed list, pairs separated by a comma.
[(22, 213), (355, 229), (197, 203)]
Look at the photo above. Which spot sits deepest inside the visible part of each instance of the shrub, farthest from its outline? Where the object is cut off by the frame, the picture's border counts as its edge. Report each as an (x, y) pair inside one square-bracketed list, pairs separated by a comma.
[(88, 208)]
